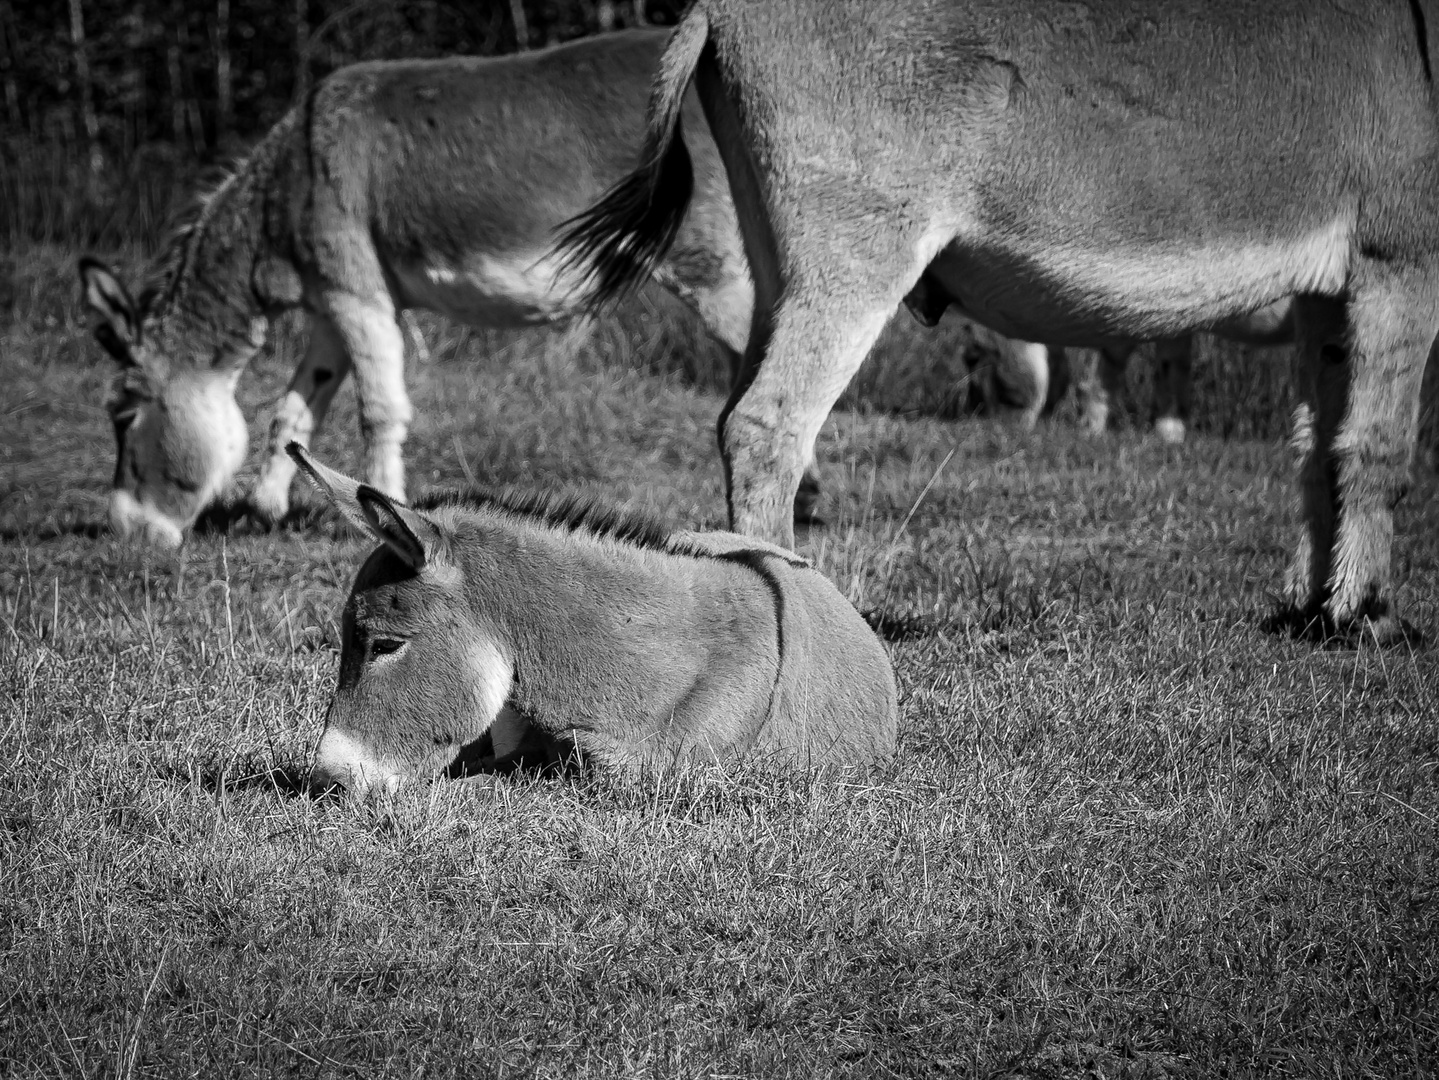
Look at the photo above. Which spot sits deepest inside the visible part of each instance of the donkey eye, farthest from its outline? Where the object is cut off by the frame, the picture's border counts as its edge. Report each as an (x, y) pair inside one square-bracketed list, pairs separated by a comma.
[(385, 646)]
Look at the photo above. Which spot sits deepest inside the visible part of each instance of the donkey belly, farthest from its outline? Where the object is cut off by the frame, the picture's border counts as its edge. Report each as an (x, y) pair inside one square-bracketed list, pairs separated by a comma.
[(1153, 170), (510, 289), (1073, 293)]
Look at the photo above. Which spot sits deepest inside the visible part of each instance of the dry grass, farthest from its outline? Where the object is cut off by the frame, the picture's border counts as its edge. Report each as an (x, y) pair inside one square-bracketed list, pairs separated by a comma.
[(1126, 833)]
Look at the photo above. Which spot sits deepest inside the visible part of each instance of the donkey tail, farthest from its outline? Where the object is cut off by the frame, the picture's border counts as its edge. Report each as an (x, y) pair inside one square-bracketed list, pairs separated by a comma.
[(620, 240)]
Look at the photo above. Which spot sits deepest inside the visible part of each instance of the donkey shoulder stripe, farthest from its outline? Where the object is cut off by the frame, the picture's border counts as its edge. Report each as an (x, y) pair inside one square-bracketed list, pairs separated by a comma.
[(832, 666), (728, 545)]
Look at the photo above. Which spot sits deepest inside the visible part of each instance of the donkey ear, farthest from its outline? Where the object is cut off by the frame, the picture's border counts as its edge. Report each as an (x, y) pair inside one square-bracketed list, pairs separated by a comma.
[(342, 491), (106, 295), (409, 535)]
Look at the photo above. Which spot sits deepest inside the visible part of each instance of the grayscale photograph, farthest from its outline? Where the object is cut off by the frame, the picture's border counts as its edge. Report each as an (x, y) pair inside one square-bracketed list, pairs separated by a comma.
[(719, 539)]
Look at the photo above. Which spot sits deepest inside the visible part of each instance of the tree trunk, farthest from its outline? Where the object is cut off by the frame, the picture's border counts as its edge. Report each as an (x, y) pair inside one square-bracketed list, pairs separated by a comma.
[(185, 118), (302, 49), (9, 47), (136, 122), (638, 7), (521, 24), (88, 119), (177, 91), (224, 103)]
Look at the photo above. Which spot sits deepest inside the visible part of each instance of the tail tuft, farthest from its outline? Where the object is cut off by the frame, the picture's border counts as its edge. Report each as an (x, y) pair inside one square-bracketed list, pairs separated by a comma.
[(620, 240)]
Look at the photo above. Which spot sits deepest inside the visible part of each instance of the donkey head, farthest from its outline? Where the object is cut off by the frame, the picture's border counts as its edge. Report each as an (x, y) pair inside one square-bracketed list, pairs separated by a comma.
[(421, 675), (179, 434)]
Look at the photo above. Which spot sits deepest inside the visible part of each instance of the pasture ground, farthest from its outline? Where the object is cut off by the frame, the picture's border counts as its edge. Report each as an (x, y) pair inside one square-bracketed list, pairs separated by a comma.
[(1127, 832)]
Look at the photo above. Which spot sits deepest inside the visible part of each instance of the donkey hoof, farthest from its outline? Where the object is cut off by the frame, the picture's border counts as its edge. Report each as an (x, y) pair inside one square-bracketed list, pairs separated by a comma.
[(266, 509), (1170, 429), (1314, 624), (1387, 631), (1298, 621), (1094, 422)]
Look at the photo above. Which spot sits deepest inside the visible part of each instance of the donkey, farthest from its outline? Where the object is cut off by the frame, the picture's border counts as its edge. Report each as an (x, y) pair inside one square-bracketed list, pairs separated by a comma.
[(1041, 373), (600, 631), (1075, 174), (418, 183), (1102, 384)]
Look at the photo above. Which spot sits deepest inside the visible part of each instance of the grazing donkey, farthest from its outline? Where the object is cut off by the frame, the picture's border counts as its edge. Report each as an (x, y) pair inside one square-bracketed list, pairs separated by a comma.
[(418, 183), (600, 631), (1072, 173)]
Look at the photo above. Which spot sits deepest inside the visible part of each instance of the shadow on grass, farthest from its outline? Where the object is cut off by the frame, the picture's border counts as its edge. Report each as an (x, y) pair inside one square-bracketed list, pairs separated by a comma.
[(222, 519), (537, 755), (290, 781), (1316, 628), (239, 519), (87, 530), (899, 627)]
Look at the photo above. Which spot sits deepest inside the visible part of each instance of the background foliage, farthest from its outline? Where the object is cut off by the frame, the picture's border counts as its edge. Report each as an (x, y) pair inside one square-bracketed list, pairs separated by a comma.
[(97, 94)]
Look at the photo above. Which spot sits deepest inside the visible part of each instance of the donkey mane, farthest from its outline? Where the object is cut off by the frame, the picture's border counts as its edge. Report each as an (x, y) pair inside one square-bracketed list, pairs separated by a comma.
[(185, 231), (167, 275), (566, 512)]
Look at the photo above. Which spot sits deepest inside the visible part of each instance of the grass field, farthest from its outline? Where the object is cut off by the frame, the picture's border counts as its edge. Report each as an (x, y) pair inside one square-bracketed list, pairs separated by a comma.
[(1127, 833)]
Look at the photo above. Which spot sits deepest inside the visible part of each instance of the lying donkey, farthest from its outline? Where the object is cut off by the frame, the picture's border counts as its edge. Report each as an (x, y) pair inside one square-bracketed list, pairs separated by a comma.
[(600, 631), (418, 183)]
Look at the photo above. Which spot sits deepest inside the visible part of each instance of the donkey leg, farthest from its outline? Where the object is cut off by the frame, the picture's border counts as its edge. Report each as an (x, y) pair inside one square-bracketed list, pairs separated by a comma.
[(726, 307), (1100, 385), (372, 337), (1320, 379), (807, 494), (1173, 358), (1392, 315), (1033, 361), (299, 416), (820, 337), (1060, 377), (724, 304), (817, 312)]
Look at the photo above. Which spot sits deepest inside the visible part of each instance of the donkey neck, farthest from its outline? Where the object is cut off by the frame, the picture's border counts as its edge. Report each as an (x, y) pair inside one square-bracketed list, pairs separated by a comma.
[(225, 275), (597, 630)]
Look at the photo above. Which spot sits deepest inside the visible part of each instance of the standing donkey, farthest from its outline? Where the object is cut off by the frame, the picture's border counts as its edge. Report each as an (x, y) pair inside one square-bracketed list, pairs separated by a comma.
[(492, 613), (421, 183), (1074, 173)]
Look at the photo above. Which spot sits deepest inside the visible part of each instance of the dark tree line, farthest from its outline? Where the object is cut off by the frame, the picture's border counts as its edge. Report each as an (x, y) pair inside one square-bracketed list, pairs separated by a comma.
[(106, 76)]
